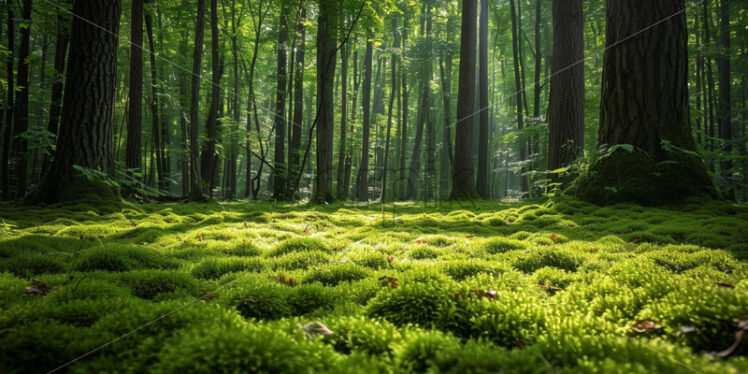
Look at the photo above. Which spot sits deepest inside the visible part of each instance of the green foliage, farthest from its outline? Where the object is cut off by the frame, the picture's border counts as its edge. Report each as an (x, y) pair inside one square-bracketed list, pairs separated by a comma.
[(214, 268), (334, 274), (423, 302), (299, 244), (112, 257), (147, 284), (501, 245)]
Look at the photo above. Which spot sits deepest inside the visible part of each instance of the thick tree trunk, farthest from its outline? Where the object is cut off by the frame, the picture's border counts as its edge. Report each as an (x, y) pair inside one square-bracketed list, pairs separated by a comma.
[(279, 161), (21, 104), (8, 107), (463, 179), (323, 191), (61, 50), (483, 141), (566, 107), (725, 80), (645, 104), (362, 181), (134, 145), (86, 131), (196, 188)]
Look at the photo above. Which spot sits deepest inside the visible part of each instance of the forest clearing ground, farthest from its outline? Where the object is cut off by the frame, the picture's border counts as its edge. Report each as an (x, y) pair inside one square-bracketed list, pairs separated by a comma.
[(523, 287)]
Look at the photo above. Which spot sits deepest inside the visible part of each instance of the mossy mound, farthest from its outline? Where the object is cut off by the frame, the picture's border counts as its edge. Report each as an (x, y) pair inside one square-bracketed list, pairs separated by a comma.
[(623, 176)]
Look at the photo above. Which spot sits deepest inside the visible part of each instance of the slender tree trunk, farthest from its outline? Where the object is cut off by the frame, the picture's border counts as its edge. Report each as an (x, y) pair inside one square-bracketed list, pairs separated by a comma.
[(362, 185), (483, 141), (155, 118), (208, 157), (298, 105), (537, 85), (341, 184), (524, 185), (463, 179), (709, 77), (8, 107), (134, 145), (61, 50), (279, 164), (404, 120), (393, 78), (21, 103), (424, 109), (325, 103), (196, 188), (725, 83), (447, 157), (184, 159), (566, 107), (86, 131)]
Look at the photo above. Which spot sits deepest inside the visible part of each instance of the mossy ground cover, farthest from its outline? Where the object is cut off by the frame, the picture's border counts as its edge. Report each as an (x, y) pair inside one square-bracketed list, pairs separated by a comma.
[(546, 286)]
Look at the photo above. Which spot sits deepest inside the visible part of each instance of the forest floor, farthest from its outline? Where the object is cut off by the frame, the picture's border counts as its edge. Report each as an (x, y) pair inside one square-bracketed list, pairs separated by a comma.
[(550, 286)]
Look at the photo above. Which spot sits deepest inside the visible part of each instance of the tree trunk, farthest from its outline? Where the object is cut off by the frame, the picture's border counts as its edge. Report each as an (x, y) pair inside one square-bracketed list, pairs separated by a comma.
[(424, 107), (725, 80), (325, 101), (21, 103), (362, 185), (566, 107), (644, 104), (279, 161), (393, 93), (134, 145), (483, 141), (344, 52), (402, 194), (463, 180), (298, 105), (209, 156), (8, 107), (196, 187), (86, 131), (155, 118), (518, 81), (184, 159), (447, 157), (710, 78), (61, 50)]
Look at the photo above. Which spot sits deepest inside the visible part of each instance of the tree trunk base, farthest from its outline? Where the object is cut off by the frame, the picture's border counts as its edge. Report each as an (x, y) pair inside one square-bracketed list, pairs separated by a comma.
[(623, 176), (101, 196)]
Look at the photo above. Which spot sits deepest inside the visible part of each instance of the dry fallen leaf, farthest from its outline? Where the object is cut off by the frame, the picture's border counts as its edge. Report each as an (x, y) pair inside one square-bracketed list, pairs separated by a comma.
[(389, 281), (725, 285), (39, 288), (643, 326), (313, 329)]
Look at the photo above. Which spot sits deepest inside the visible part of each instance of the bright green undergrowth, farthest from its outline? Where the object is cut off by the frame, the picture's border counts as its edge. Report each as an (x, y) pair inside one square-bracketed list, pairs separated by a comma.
[(547, 286)]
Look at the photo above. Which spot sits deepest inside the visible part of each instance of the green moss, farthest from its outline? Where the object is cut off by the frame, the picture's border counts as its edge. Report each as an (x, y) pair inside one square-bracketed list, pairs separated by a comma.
[(299, 244), (214, 268), (334, 274), (501, 245), (148, 284), (112, 257)]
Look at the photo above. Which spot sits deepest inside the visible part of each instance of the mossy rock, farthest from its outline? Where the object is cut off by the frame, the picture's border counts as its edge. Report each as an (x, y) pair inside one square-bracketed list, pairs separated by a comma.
[(623, 176)]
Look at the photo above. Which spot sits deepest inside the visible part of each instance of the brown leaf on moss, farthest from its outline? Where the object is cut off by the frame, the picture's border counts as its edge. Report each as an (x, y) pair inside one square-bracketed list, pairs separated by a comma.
[(39, 288), (282, 279), (646, 325), (389, 281)]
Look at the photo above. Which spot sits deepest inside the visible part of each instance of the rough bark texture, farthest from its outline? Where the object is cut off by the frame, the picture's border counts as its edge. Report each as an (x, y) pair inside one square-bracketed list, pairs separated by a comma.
[(725, 105), (134, 146), (294, 154), (156, 130), (341, 185), (463, 180), (323, 191), (519, 96), (566, 107), (645, 104), (86, 128), (208, 159)]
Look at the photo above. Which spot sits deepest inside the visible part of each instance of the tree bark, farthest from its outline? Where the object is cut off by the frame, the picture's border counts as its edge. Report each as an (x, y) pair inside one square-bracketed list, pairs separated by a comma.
[(393, 70), (483, 141), (279, 161), (323, 191), (86, 128), (61, 51), (8, 131), (298, 105), (341, 184), (161, 166), (566, 106), (463, 180), (21, 103), (725, 80), (209, 157), (134, 145), (519, 95), (196, 188), (362, 185)]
